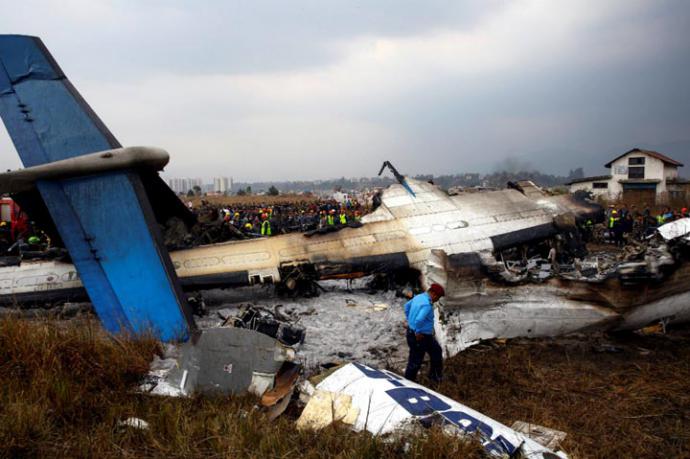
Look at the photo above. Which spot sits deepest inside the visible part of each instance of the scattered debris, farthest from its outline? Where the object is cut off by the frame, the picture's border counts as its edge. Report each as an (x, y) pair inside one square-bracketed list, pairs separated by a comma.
[(325, 408), (264, 321), (546, 437), (277, 399), (378, 307), (135, 423)]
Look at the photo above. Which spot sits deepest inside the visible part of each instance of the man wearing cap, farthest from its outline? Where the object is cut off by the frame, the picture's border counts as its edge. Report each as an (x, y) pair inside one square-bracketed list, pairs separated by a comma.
[(419, 313)]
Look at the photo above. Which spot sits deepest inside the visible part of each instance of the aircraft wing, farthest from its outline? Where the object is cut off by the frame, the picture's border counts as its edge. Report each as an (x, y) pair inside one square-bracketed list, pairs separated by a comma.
[(105, 219)]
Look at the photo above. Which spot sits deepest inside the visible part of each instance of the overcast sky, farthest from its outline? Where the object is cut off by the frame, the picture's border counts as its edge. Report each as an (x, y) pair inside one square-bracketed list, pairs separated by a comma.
[(290, 89)]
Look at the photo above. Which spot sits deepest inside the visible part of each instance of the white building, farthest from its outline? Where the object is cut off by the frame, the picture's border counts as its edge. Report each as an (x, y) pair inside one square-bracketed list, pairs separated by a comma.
[(183, 185), (221, 185), (637, 174)]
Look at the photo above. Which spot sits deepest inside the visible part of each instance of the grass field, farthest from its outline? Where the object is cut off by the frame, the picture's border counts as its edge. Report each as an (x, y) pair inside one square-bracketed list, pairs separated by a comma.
[(252, 200), (66, 386)]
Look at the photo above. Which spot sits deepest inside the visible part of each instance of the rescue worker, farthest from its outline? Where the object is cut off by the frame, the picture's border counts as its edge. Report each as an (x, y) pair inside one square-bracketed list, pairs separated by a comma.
[(330, 220), (613, 226), (419, 316), (664, 217), (588, 230), (5, 237), (265, 225), (343, 217), (613, 219), (358, 216)]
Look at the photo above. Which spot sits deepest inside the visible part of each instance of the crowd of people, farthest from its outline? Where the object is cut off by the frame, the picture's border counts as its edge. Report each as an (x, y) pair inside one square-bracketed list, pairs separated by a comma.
[(23, 237), (270, 220), (623, 223)]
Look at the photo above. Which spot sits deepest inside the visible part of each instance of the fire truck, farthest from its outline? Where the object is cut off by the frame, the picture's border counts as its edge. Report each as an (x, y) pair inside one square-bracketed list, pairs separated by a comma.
[(13, 218)]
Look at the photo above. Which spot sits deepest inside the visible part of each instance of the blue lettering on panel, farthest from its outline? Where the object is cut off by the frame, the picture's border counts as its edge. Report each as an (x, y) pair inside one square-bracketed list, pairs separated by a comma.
[(419, 402)]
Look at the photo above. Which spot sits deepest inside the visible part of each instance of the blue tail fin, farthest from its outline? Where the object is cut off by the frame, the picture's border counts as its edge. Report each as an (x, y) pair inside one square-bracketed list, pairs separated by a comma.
[(106, 220)]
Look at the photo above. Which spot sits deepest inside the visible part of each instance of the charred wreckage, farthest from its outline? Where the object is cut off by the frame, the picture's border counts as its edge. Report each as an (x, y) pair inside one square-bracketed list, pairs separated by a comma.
[(488, 249)]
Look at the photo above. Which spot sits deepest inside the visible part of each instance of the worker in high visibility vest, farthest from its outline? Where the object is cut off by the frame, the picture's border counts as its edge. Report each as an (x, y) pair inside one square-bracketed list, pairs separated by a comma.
[(330, 220), (265, 225), (613, 219), (343, 217)]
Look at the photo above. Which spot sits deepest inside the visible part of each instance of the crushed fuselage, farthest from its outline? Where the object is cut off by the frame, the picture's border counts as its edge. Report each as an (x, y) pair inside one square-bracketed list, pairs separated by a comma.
[(458, 241)]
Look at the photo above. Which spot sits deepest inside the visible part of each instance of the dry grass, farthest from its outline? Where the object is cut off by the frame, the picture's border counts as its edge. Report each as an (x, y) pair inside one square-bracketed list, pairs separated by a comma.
[(66, 386), (633, 403), (253, 200)]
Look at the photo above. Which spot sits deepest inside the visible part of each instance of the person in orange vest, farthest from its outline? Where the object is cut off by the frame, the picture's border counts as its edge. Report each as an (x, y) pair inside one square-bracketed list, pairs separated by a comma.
[(265, 225)]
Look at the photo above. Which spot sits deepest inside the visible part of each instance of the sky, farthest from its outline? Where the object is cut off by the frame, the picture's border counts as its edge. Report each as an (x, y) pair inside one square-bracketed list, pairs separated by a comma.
[(302, 90)]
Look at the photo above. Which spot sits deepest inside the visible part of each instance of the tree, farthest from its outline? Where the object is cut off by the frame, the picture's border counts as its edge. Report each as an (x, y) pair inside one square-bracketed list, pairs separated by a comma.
[(197, 190), (273, 191), (241, 192), (190, 194), (248, 190), (576, 173)]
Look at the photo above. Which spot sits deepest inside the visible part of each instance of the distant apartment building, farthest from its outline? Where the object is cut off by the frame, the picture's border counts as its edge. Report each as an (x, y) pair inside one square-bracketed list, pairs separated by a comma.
[(183, 185), (222, 185), (637, 175)]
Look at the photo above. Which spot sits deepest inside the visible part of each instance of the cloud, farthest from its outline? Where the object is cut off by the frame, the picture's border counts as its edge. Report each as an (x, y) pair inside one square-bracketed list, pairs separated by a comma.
[(276, 90)]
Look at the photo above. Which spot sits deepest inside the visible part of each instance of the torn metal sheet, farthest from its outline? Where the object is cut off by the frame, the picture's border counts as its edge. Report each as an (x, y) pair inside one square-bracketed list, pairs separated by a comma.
[(382, 402), (277, 399), (675, 229), (225, 360)]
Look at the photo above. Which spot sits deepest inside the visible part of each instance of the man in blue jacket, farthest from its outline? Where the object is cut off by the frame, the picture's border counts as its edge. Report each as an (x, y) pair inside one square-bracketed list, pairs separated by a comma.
[(419, 313)]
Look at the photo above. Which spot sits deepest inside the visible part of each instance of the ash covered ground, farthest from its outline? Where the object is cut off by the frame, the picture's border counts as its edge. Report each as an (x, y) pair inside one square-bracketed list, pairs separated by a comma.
[(344, 323)]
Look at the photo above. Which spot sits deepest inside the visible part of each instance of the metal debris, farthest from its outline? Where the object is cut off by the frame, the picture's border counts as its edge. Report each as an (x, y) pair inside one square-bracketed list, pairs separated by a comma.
[(382, 402), (550, 438)]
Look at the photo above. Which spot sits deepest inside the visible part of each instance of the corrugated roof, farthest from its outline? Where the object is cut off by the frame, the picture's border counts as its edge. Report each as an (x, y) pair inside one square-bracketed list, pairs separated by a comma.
[(639, 181), (589, 179), (653, 154), (677, 181)]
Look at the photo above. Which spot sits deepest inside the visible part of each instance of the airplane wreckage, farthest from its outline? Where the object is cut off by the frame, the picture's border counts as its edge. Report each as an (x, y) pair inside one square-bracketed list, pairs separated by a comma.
[(476, 245), (108, 207)]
